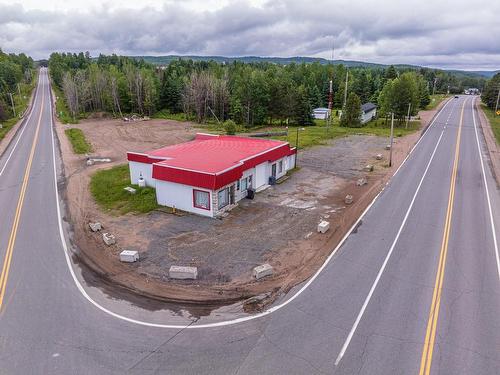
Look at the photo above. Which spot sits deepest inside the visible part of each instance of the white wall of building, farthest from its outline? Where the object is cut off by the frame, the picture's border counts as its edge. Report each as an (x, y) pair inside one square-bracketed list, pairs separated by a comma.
[(136, 169), (240, 194), (180, 196), (365, 117)]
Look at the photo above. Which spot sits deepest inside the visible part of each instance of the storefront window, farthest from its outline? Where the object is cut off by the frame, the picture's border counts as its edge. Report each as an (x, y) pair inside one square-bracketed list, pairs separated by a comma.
[(223, 198), (201, 199)]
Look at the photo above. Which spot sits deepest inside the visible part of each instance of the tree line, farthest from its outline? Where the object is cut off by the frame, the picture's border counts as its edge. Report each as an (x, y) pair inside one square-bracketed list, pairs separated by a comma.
[(491, 92), (14, 70), (250, 94)]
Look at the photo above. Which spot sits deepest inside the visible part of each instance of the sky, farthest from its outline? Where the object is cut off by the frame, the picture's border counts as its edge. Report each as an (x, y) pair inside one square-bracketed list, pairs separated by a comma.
[(445, 34)]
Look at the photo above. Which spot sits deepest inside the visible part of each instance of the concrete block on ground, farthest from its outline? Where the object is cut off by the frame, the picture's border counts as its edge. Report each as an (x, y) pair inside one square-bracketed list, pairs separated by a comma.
[(95, 227), (131, 190), (378, 156), (90, 162), (262, 271), (183, 273), (348, 199), (368, 168), (108, 239), (362, 181), (323, 226), (129, 256), (388, 147)]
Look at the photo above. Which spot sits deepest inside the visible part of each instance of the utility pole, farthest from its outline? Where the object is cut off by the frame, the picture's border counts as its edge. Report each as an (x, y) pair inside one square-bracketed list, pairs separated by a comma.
[(434, 86), (498, 99), (345, 90), (330, 105), (392, 137), (296, 149), (12, 102), (408, 117)]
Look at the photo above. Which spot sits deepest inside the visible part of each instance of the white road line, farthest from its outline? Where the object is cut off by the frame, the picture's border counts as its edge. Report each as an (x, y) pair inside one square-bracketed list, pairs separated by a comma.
[(208, 325), (22, 130), (381, 271), (493, 230)]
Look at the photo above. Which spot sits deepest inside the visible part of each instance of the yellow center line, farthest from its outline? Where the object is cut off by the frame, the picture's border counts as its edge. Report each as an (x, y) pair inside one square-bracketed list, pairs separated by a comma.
[(13, 233), (430, 335)]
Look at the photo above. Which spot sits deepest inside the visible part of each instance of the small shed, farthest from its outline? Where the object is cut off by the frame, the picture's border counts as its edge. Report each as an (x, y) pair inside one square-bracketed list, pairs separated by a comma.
[(368, 112), (321, 113)]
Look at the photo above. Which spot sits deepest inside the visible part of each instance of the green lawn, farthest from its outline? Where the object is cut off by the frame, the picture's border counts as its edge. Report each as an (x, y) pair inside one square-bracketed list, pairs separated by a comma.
[(78, 141), (165, 114), (20, 103), (435, 100), (107, 189), (320, 134), (494, 121)]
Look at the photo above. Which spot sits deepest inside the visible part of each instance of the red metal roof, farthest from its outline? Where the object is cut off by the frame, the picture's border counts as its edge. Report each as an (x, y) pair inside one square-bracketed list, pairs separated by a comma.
[(211, 161)]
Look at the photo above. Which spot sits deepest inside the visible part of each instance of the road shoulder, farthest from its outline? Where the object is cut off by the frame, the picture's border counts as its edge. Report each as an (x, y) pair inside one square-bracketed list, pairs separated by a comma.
[(491, 144)]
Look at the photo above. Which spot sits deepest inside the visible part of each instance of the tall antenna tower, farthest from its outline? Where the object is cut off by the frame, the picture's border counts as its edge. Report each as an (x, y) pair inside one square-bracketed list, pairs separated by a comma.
[(330, 92)]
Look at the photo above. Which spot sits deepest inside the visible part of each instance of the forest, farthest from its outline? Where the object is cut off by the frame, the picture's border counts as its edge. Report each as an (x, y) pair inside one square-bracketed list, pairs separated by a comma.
[(250, 94), (15, 71)]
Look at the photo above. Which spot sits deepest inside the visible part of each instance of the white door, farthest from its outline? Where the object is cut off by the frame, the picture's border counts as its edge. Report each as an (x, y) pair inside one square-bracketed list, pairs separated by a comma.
[(260, 175)]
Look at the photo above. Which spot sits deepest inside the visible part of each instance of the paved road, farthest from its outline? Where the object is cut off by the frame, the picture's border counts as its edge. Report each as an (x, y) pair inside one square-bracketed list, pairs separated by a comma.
[(415, 290)]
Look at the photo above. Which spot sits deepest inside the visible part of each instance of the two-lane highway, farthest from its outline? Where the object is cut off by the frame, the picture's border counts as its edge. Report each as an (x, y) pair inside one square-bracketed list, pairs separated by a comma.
[(414, 290)]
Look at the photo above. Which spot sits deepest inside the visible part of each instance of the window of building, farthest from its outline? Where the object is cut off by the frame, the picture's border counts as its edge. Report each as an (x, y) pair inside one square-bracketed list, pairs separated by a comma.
[(243, 184), (201, 199), (280, 166), (223, 198)]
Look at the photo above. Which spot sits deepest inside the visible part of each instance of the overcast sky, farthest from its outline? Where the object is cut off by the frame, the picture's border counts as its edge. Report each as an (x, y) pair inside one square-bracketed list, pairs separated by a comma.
[(461, 34)]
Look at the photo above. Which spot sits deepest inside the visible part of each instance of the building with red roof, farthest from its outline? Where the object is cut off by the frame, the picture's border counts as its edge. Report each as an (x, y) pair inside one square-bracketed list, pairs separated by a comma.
[(211, 173)]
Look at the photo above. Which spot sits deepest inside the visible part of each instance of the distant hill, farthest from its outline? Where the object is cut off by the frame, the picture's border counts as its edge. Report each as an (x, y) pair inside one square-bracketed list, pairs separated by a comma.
[(165, 60)]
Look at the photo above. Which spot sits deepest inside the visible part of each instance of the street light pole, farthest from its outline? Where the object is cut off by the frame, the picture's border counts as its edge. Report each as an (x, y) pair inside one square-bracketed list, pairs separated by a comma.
[(392, 138)]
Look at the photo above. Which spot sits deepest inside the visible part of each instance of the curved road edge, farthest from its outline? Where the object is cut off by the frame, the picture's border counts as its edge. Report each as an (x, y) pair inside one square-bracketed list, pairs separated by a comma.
[(192, 324)]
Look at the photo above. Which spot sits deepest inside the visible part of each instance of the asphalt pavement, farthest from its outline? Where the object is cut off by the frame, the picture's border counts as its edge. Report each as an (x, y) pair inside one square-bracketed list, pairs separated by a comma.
[(415, 289)]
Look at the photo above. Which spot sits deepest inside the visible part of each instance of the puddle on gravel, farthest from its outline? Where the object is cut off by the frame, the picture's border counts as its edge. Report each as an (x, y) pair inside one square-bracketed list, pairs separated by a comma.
[(120, 293)]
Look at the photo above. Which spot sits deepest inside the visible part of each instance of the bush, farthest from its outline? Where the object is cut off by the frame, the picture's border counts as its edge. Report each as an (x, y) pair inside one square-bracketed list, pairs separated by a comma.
[(229, 127)]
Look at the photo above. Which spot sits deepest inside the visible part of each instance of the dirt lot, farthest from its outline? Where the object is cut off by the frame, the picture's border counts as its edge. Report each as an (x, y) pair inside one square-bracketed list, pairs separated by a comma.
[(278, 226)]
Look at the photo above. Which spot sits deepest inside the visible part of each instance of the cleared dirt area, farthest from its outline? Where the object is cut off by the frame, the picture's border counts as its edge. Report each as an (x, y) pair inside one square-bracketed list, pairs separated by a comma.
[(278, 226)]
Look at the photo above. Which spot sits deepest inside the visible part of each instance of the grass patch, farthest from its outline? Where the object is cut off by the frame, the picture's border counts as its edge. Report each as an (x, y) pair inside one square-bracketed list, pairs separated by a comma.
[(494, 121), (435, 100), (166, 115), (107, 186), (78, 141), (321, 134), (20, 103), (62, 111)]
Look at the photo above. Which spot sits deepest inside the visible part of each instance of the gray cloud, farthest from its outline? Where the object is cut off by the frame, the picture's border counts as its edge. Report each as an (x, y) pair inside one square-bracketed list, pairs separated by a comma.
[(459, 34)]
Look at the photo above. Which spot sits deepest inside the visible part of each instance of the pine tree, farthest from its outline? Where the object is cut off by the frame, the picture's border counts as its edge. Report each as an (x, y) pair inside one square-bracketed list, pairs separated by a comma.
[(351, 116)]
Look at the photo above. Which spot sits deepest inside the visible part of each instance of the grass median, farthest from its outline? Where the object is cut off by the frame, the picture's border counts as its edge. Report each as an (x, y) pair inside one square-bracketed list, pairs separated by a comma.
[(107, 187)]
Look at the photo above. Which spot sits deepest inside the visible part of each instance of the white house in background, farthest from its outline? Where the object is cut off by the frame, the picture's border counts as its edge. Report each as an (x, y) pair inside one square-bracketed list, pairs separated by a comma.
[(210, 174), (368, 112), (321, 113)]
